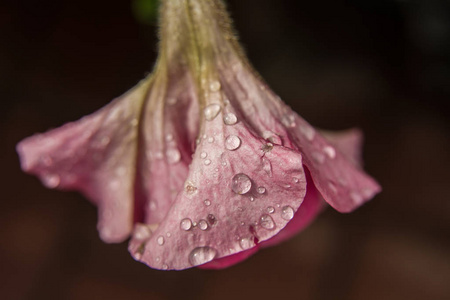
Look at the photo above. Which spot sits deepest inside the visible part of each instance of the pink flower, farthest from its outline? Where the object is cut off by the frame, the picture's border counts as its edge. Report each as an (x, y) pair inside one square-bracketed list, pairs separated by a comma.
[(201, 163)]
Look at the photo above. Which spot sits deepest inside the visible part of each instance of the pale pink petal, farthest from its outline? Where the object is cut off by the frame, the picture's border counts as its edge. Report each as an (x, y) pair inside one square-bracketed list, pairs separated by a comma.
[(240, 190), (342, 183), (95, 155), (348, 142)]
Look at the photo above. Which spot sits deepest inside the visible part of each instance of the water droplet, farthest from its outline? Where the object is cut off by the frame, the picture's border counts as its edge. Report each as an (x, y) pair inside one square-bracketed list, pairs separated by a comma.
[(169, 137), (266, 222), (173, 155), (267, 147), (139, 251), (288, 120), (246, 243), (168, 234), (164, 267), (230, 119), (190, 189), (261, 190), (134, 122), (186, 224), (330, 151), (241, 183), (287, 213), (332, 188), (141, 232), (210, 140), (356, 197), (207, 162), (296, 180), (252, 198), (207, 202), (203, 155), (271, 209), (51, 180), (232, 142), (202, 224), (211, 111), (212, 219), (214, 86), (160, 240), (308, 132), (318, 157), (202, 255), (267, 166), (271, 137)]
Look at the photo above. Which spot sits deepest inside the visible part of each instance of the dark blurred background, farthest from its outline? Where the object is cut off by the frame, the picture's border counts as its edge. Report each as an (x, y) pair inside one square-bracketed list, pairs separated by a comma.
[(381, 65)]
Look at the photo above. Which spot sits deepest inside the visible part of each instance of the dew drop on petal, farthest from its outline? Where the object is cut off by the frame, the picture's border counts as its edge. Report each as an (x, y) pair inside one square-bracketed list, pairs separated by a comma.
[(164, 267), (202, 255), (141, 232), (207, 162), (267, 222), (203, 155), (288, 120), (202, 224), (214, 86), (308, 132), (207, 202), (169, 137), (186, 224), (211, 219), (261, 190), (267, 166), (51, 180), (271, 209), (330, 151), (287, 213), (230, 119), (241, 184), (190, 189), (210, 140), (173, 155), (272, 137), (232, 142), (160, 240), (318, 157), (246, 243), (211, 111)]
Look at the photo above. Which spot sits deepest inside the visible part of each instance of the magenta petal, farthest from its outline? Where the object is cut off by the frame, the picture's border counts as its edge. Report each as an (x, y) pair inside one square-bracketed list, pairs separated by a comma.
[(238, 192), (95, 155)]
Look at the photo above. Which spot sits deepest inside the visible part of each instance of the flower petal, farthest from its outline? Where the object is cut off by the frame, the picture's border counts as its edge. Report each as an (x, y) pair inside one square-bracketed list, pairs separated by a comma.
[(95, 155), (239, 191), (342, 184)]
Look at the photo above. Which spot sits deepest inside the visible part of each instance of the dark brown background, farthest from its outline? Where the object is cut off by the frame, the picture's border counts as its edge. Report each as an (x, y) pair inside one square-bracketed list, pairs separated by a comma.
[(381, 65)]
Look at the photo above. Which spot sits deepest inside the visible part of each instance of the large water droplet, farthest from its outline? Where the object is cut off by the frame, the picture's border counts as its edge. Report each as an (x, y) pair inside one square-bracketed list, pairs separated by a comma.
[(214, 86), (230, 119), (211, 111), (202, 224), (241, 183), (202, 255), (232, 142), (186, 224), (330, 151), (207, 202), (246, 243), (160, 240), (287, 213), (51, 180), (173, 155), (267, 222)]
